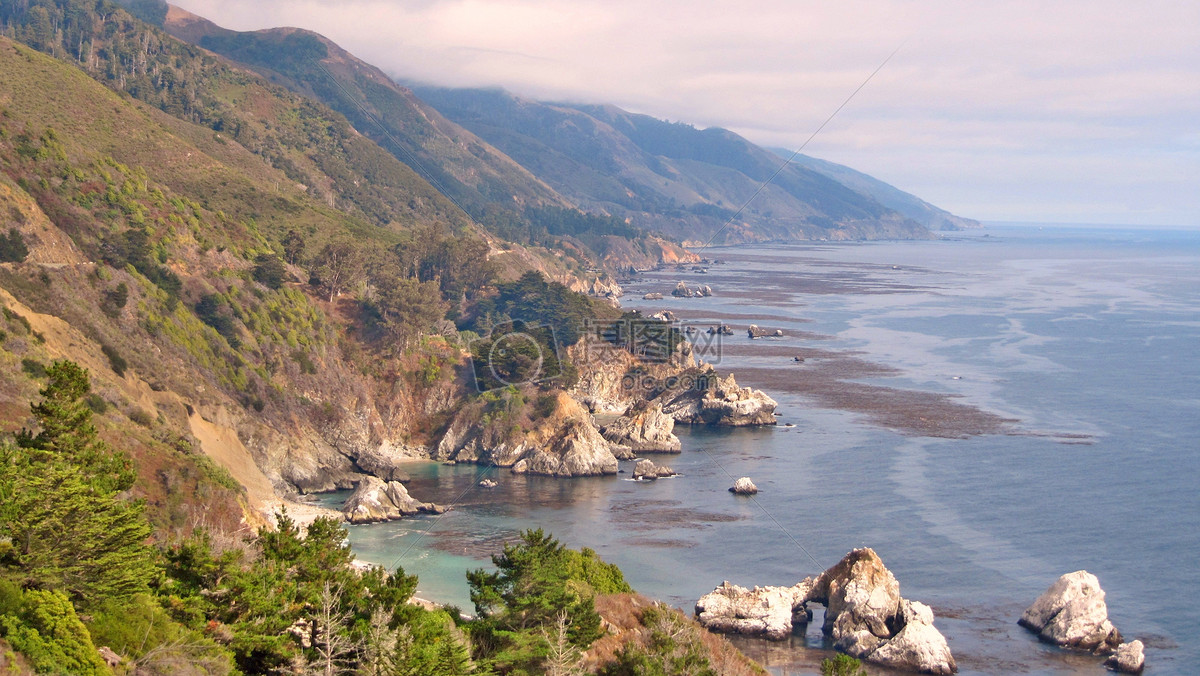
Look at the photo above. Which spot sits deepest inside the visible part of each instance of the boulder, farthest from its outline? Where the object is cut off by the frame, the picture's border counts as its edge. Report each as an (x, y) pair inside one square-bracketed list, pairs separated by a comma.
[(644, 428), (743, 486), (375, 500), (1129, 658), (768, 612), (652, 296), (488, 483), (111, 658), (682, 291), (1072, 614), (646, 470)]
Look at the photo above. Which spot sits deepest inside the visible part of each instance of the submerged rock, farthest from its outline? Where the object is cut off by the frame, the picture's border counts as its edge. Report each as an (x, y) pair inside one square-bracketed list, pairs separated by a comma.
[(1072, 614), (743, 486), (644, 428), (865, 615), (1129, 658), (374, 500)]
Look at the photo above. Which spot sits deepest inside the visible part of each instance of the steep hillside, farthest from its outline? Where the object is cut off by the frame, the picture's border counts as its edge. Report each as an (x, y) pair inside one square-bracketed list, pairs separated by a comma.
[(672, 177), (168, 292), (888, 195), (500, 194)]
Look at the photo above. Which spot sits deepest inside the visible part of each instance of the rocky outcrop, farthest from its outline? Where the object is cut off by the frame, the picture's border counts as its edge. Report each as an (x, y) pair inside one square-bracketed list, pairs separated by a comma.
[(375, 500), (743, 486), (644, 428), (865, 615), (387, 461), (664, 316), (652, 296), (577, 449), (1072, 614), (646, 470), (1129, 658), (682, 290), (918, 646), (755, 332), (564, 443), (704, 398), (769, 612)]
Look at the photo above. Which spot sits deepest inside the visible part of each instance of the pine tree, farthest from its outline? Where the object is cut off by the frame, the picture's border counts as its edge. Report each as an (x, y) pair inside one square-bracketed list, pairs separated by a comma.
[(61, 506)]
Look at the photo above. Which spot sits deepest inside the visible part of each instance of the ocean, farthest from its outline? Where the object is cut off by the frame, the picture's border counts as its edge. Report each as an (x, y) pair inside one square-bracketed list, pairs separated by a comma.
[(987, 411)]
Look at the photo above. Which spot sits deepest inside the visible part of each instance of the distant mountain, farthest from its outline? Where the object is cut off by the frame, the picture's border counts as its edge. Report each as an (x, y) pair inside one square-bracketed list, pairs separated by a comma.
[(496, 154), (888, 195), (672, 177), (498, 193)]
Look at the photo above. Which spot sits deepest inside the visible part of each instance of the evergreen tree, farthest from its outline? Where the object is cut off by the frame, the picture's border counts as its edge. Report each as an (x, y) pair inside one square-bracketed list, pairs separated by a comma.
[(61, 506)]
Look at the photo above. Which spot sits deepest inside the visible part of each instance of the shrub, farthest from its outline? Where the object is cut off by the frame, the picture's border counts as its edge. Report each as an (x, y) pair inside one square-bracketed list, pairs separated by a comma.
[(842, 665), (50, 635), (33, 368), (12, 247), (142, 417), (96, 403), (115, 300), (115, 360), (269, 270)]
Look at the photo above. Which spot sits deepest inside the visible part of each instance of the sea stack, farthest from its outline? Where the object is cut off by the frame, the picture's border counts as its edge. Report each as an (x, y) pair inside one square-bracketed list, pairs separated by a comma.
[(743, 486), (1072, 614)]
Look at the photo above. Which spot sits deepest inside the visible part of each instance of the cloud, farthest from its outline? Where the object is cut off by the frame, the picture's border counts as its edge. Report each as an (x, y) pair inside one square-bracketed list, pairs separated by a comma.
[(992, 86)]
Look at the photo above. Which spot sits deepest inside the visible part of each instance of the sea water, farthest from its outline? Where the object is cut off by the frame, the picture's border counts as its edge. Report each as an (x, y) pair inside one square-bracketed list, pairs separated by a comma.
[(1087, 338)]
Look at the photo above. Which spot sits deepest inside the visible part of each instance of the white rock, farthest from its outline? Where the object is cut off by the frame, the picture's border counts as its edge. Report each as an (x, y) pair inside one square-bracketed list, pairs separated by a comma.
[(743, 486), (1072, 614), (761, 611), (918, 646), (1129, 658)]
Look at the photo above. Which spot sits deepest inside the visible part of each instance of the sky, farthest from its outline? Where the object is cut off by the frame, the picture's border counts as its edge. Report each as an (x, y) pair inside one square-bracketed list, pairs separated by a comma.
[(1073, 111)]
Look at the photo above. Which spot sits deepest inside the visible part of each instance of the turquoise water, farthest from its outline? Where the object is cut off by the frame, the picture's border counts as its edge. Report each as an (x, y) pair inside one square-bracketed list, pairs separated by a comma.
[(1088, 338)]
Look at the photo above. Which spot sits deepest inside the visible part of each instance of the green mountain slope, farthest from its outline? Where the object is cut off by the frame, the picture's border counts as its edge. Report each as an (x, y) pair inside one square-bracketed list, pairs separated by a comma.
[(888, 195), (683, 181)]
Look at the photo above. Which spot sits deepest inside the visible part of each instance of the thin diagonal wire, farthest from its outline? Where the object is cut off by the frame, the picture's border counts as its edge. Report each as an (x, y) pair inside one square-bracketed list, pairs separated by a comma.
[(414, 162), (474, 484), (766, 511), (788, 161)]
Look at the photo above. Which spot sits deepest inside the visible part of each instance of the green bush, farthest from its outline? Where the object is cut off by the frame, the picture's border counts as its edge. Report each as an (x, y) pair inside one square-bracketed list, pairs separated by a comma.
[(115, 360), (50, 635), (842, 665), (141, 417), (33, 368), (12, 247), (96, 403)]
